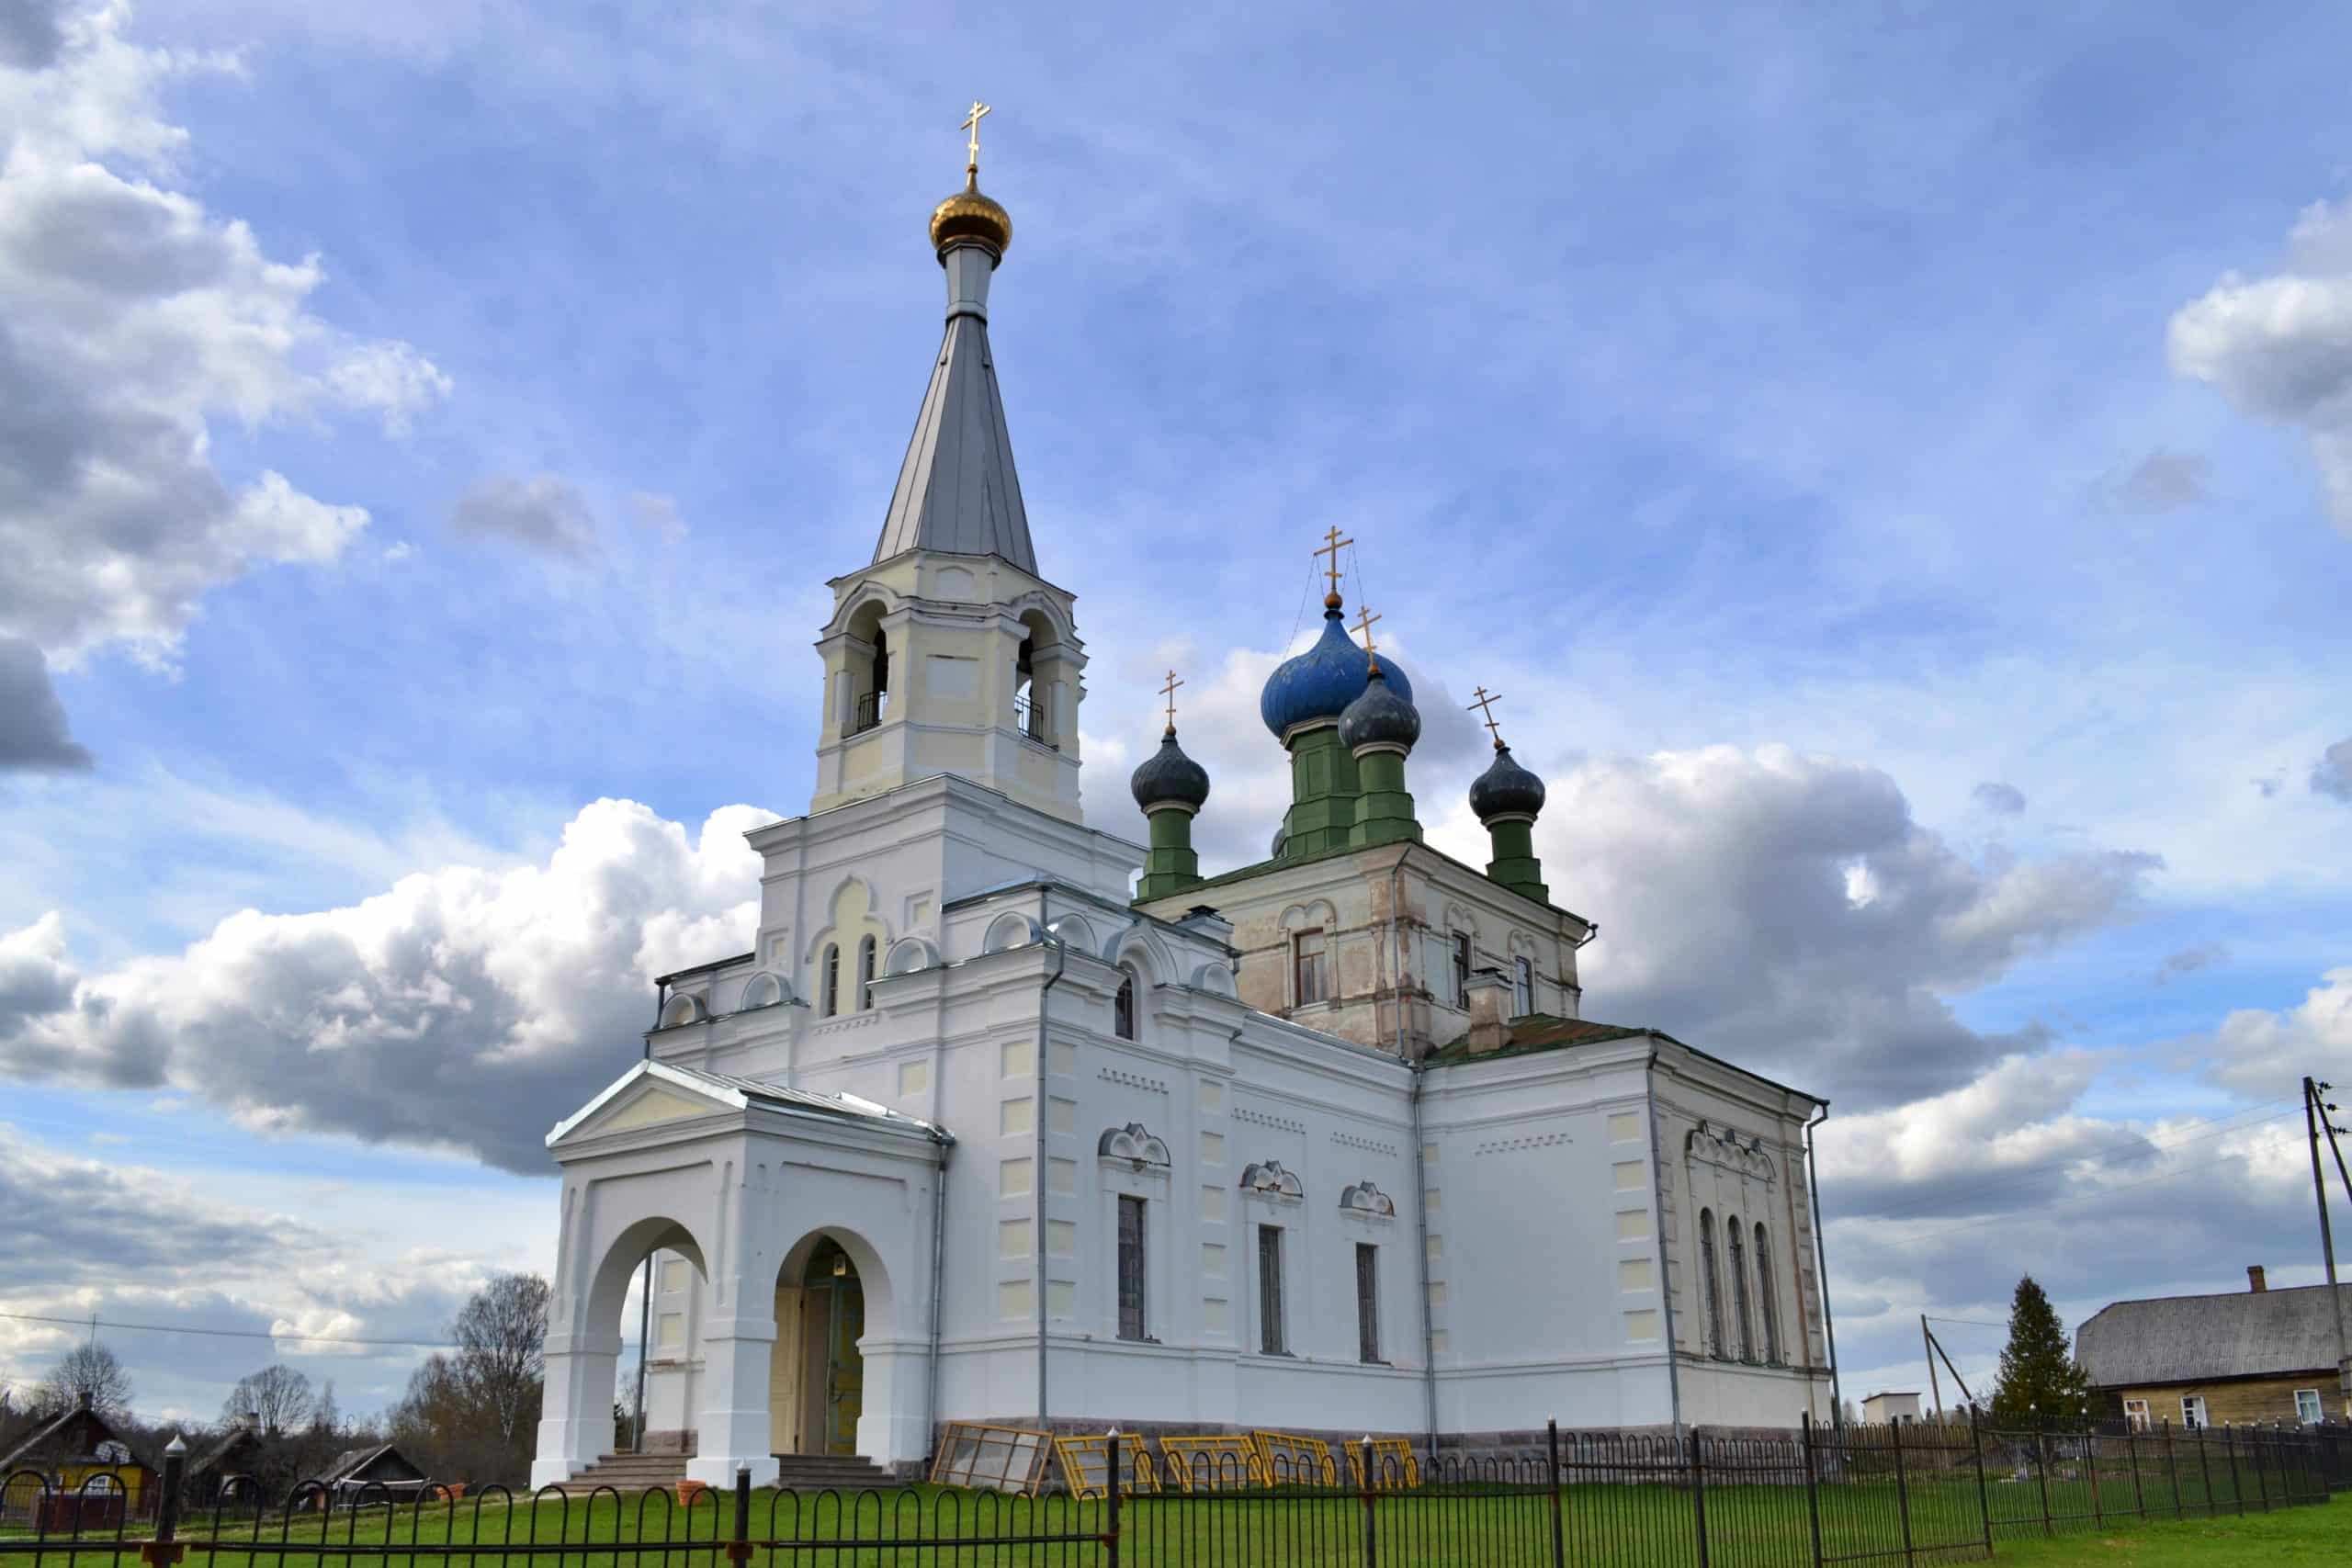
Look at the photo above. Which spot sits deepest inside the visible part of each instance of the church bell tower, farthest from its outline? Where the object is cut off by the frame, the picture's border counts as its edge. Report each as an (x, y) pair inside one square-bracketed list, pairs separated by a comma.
[(948, 653)]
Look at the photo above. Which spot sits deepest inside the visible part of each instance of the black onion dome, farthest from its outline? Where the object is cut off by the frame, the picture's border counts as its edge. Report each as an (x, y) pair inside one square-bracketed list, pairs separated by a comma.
[(1506, 789), (1167, 778), (1382, 716)]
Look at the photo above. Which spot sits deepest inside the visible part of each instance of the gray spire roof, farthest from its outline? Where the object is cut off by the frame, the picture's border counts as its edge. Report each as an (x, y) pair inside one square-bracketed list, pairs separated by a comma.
[(958, 491)]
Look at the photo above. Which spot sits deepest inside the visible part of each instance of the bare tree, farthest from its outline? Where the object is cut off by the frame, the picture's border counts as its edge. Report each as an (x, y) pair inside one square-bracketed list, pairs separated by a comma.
[(502, 1348), (86, 1371), (278, 1396)]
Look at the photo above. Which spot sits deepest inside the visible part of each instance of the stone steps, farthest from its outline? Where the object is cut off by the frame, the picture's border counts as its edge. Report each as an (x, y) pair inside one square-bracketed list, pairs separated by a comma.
[(797, 1472)]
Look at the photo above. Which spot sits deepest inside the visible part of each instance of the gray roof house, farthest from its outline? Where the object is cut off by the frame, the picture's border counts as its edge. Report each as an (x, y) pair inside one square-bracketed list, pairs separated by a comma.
[(2242, 1344)]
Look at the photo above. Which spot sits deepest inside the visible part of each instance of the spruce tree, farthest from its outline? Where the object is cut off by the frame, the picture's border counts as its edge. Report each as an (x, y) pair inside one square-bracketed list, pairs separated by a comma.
[(2039, 1380)]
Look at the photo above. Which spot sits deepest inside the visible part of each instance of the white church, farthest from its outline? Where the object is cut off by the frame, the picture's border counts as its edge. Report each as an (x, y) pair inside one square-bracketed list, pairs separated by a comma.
[(1009, 1117)]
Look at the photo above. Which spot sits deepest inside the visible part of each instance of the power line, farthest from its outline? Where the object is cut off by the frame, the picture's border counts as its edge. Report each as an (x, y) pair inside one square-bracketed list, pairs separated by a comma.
[(230, 1333), (2099, 1196), (2217, 1126)]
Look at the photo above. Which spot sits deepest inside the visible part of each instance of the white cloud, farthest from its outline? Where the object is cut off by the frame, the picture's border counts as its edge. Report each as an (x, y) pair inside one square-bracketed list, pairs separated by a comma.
[(2331, 774), (2280, 348), (462, 1007), (544, 512), (2257, 1050), (133, 317)]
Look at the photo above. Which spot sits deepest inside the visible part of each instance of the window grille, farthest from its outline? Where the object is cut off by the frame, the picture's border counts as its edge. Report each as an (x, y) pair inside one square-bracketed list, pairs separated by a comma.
[(1311, 954), (1766, 1297), (1131, 1220), (865, 954), (1367, 1302), (1523, 987), (1272, 1340), (1462, 969), (871, 709), (1740, 1316), (830, 990)]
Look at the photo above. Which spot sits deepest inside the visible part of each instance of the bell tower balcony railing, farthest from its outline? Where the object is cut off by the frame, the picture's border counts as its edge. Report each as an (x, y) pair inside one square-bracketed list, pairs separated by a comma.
[(871, 709), (1029, 717)]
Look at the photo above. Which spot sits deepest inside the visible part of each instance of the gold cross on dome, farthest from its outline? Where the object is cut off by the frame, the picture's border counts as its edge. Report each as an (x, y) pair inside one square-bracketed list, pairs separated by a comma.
[(972, 124), (1333, 544), (1485, 706), (1364, 617), (1169, 691)]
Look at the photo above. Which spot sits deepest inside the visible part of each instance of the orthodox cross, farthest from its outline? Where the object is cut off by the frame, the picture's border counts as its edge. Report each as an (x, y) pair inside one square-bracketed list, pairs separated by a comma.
[(1485, 706), (1169, 691), (1364, 617), (972, 124), (1333, 544)]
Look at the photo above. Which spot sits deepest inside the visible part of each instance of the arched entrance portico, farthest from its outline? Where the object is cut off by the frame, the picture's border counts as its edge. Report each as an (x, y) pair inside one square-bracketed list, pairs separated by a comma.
[(829, 1306)]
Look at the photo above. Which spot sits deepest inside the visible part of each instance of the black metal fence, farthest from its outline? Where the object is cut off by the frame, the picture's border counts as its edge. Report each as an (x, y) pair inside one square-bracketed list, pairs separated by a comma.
[(1914, 1494)]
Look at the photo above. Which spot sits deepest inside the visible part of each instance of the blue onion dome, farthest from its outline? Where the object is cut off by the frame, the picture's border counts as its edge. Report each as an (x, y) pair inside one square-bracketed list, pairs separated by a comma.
[(1167, 778), (1321, 682), (1505, 789), (1379, 718)]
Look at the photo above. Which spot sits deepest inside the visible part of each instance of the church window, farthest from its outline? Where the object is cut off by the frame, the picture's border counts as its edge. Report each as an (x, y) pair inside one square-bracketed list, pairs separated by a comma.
[(1709, 1282), (1462, 969), (1131, 1221), (1272, 1340), (1367, 1302), (829, 988), (1311, 959), (1522, 985), (1123, 1007), (1738, 1260), (866, 949), (1765, 1298)]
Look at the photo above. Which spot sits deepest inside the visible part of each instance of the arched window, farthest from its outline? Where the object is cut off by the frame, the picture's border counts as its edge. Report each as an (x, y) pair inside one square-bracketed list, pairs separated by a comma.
[(829, 981), (1522, 985), (1738, 1261), (1709, 1282), (867, 951), (1123, 1005), (1765, 1298)]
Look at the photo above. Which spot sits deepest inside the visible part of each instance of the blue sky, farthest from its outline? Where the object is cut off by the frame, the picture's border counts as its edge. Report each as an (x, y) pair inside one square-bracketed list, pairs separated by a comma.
[(1805, 417)]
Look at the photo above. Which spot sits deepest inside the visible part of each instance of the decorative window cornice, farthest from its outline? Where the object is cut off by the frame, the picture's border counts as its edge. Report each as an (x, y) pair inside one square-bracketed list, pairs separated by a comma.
[(1726, 1150), (1136, 1146), (1367, 1199), (1267, 1179)]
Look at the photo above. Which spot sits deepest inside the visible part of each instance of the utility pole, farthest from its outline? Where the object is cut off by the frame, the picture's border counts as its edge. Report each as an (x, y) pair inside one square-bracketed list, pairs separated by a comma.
[(1928, 1348), (2315, 1117)]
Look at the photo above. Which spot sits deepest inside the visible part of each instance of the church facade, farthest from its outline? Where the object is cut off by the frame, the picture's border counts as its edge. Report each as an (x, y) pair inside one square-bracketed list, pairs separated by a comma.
[(1010, 1117)]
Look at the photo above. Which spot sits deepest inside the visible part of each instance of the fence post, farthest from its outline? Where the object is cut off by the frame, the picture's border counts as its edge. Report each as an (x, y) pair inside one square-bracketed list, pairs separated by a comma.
[(2172, 1474), (2090, 1458), (1812, 1488), (2261, 1483), (2205, 1466), (1371, 1492), (1902, 1489), (1552, 1452), (2230, 1447), (1111, 1523), (739, 1547), (1699, 1491), (2042, 1478), (1984, 1497), (164, 1550), (2131, 1457)]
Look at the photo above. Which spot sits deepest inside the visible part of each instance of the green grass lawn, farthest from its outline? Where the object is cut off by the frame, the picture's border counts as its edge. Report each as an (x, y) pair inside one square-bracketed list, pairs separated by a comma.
[(2318, 1533)]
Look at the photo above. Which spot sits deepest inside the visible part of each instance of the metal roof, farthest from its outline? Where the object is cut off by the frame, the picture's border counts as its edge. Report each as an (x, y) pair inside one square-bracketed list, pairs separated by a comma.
[(958, 491), (2195, 1339)]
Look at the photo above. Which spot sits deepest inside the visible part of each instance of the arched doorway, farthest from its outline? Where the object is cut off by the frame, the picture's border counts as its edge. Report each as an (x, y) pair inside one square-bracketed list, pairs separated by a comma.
[(816, 1376)]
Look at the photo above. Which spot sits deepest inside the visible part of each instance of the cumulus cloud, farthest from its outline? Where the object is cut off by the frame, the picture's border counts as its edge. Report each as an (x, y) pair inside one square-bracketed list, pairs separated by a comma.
[(135, 317), (462, 1007), (541, 513), (2331, 774), (33, 732), (2280, 348), (2257, 1050), (2001, 800), (1787, 912)]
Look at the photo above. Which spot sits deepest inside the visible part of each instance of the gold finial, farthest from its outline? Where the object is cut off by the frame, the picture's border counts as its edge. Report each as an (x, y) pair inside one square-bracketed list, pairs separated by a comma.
[(1169, 691), (972, 123), (1364, 617), (1485, 706), (1333, 544)]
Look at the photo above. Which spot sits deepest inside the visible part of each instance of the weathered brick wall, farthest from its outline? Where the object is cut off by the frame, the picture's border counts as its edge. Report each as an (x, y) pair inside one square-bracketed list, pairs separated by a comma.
[(2239, 1402)]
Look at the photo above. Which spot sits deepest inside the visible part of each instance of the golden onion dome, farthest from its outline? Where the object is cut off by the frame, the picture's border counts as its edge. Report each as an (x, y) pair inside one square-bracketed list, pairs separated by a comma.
[(968, 215)]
